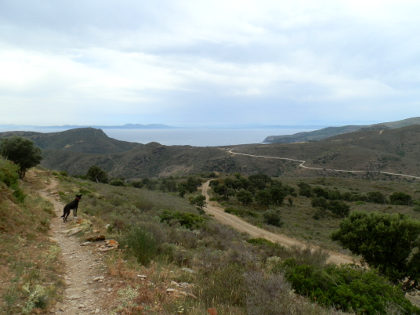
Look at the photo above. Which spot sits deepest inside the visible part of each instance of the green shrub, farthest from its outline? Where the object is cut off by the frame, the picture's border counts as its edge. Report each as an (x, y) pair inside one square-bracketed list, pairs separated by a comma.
[(387, 242), (400, 198), (339, 208), (117, 182), (8, 172), (188, 220), (376, 197), (349, 288), (272, 217), (141, 245), (305, 189)]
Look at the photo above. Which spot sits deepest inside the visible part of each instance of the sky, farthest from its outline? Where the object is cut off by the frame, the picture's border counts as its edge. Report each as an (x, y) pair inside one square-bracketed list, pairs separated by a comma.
[(219, 62)]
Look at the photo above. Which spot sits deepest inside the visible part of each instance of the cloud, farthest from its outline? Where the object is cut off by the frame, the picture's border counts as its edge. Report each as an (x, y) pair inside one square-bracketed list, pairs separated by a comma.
[(232, 60)]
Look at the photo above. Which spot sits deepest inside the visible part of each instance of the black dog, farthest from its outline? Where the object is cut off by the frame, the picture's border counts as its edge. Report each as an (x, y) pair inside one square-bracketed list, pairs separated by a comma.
[(71, 205)]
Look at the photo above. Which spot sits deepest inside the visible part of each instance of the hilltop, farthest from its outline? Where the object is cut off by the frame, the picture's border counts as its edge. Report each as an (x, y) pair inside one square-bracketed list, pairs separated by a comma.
[(328, 132)]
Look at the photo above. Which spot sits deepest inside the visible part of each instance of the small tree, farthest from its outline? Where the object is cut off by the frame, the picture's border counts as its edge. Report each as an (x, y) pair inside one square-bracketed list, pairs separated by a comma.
[(96, 174), (244, 196), (388, 242), (400, 198), (199, 201), (22, 152)]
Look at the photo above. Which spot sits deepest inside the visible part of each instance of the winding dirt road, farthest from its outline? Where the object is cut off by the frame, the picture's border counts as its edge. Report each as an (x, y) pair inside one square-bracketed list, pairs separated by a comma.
[(84, 268), (242, 226), (302, 165)]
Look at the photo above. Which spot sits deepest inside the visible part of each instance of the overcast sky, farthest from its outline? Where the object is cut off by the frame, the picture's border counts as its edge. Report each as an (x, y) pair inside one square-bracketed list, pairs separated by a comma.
[(208, 62)]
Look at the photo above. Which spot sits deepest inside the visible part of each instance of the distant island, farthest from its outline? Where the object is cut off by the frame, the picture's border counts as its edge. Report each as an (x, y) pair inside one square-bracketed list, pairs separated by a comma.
[(66, 127)]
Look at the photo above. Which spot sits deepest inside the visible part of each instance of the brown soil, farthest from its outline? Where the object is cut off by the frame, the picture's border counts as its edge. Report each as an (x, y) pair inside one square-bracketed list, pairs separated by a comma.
[(240, 225)]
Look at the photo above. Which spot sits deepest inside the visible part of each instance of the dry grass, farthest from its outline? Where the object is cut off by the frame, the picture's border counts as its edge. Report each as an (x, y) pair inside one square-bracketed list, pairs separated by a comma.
[(29, 276)]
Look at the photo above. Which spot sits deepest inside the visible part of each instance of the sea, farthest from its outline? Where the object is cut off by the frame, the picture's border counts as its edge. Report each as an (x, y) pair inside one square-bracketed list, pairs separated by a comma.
[(199, 136), (187, 136)]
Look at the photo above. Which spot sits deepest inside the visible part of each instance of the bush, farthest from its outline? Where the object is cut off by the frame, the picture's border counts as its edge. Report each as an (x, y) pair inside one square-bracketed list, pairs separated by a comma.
[(400, 198), (223, 285), (96, 174), (376, 197), (117, 182), (305, 189), (387, 242), (272, 217), (141, 245), (8, 173), (189, 220), (349, 288), (339, 208), (244, 196)]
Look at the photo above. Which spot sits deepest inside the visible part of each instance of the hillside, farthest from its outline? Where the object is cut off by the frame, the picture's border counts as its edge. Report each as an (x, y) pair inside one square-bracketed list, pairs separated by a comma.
[(393, 150), (328, 132)]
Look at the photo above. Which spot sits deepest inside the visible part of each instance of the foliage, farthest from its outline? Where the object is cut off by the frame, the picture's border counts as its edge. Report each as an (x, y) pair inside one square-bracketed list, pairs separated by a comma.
[(305, 189), (350, 288), (22, 152), (8, 173), (337, 207), (376, 197), (117, 182), (96, 174), (141, 245), (199, 201), (244, 197), (400, 198), (272, 217), (388, 242), (189, 220)]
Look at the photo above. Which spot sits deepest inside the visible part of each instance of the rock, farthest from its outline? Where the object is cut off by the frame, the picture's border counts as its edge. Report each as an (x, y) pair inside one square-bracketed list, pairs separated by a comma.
[(189, 270), (175, 283), (97, 311), (142, 277), (85, 243), (100, 278), (74, 230), (169, 290), (111, 243)]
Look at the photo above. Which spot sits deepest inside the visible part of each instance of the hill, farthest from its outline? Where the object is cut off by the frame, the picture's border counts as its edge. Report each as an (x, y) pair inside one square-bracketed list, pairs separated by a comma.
[(328, 132)]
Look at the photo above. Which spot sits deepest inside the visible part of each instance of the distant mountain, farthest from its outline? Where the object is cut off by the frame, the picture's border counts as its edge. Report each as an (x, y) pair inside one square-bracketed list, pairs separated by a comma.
[(328, 132), (66, 127)]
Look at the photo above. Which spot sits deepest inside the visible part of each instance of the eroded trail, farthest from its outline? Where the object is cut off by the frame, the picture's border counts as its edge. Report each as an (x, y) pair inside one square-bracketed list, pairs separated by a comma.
[(85, 290), (243, 226)]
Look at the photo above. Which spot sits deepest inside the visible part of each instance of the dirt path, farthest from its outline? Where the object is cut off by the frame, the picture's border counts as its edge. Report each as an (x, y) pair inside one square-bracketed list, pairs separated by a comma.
[(302, 165), (85, 290), (243, 226)]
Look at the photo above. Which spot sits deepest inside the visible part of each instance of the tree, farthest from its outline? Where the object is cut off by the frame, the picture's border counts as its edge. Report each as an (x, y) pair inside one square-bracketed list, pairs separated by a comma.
[(22, 152), (390, 243), (244, 196), (96, 174), (199, 201)]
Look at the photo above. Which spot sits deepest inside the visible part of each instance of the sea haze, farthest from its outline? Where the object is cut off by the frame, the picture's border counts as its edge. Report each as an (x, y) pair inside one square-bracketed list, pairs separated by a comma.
[(200, 136)]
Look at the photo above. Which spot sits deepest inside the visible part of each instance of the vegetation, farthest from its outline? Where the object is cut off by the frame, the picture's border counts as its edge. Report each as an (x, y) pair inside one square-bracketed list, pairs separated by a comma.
[(388, 242), (349, 288), (29, 260), (22, 152), (96, 174)]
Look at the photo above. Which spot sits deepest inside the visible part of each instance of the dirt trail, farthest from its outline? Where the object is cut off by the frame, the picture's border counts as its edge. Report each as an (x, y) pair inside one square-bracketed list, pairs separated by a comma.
[(85, 290), (243, 226), (302, 165)]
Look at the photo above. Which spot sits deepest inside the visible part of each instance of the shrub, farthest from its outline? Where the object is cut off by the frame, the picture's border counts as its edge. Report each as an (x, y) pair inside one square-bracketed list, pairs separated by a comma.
[(96, 174), (400, 198), (305, 189), (388, 242), (347, 287), (117, 182), (376, 197), (272, 217), (223, 285), (339, 208), (188, 220), (244, 196), (141, 245), (8, 172), (319, 202)]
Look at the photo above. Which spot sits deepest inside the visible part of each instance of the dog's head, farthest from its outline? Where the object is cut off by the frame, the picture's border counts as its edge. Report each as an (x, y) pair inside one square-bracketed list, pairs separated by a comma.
[(78, 197)]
